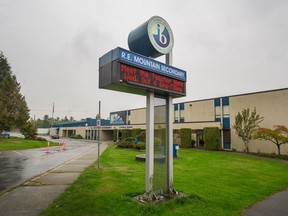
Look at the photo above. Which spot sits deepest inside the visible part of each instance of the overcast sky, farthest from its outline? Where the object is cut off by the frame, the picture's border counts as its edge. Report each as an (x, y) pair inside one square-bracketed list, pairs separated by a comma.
[(227, 47)]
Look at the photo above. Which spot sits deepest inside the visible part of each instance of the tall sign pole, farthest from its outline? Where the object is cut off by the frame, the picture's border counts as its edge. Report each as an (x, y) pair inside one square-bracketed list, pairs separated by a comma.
[(149, 142), (169, 153)]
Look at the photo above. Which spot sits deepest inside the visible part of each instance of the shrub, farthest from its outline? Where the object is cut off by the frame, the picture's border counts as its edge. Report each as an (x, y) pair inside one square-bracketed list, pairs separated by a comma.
[(125, 133), (193, 142), (127, 143), (142, 136), (115, 131), (157, 141), (136, 132), (76, 136), (185, 135), (140, 146), (212, 139), (40, 139)]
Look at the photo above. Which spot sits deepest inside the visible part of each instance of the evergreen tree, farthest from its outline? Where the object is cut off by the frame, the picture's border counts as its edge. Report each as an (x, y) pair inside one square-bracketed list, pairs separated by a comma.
[(14, 111), (45, 122)]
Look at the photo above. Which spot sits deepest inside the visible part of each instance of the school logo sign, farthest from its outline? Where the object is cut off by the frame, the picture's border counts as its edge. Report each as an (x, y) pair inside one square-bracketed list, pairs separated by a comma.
[(152, 39), (160, 35)]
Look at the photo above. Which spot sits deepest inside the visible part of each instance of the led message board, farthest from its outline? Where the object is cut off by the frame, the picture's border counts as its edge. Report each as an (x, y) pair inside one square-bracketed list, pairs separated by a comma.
[(140, 77), (125, 71)]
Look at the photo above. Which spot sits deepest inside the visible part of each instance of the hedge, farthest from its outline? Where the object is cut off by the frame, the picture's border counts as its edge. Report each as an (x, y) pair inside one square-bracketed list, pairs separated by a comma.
[(185, 135), (115, 132), (212, 140)]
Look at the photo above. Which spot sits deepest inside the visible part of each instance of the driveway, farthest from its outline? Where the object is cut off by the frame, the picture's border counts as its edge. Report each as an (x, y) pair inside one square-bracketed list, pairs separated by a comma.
[(16, 167)]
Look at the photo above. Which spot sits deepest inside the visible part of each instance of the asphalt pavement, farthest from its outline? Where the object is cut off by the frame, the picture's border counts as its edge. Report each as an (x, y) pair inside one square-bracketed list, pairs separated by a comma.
[(34, 195), (275, 205), (19, 166)]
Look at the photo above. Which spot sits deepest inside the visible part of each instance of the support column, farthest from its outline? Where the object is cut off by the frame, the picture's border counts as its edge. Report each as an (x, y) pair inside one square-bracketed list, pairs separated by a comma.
[(169, 153), (222, 122), (149, 141)]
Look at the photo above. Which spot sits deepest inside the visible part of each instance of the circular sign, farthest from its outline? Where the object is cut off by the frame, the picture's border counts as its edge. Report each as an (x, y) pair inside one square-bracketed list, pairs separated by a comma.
[(152, 39), (160, 35)]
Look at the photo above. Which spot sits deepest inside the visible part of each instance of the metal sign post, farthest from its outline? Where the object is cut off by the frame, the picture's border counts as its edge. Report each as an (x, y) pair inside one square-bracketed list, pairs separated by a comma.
[(149, 141), (169, 152)]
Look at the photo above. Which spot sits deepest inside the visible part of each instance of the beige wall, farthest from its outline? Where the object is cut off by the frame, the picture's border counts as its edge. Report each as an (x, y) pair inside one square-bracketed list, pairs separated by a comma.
[(272, 105), (138, 116), (199, 111), (194, 126)]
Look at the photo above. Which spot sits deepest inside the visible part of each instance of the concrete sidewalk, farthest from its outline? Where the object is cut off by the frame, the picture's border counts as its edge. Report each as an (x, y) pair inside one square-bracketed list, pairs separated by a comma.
[(35, 195), (276, 204)]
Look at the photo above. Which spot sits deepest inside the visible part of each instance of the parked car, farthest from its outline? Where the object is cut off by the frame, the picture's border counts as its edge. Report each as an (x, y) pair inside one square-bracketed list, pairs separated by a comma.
[(55, 136), (5, 134)]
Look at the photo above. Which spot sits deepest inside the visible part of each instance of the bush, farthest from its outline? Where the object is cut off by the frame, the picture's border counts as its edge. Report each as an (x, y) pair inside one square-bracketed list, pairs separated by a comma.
[(212, 139), (193, 142), (127, 143), (115, 131), (40, 139), (74, 136), (136, 132), (125, 133), (185, 135), (142, 136), (140, 146)]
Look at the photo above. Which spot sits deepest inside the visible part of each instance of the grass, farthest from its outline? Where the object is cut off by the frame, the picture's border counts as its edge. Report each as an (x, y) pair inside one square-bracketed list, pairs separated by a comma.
[(20, 144), (217, 183)]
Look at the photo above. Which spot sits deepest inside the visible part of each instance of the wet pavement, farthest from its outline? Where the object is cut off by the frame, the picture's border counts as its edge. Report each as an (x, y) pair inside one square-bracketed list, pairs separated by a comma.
[(37, 193), (16, 167)]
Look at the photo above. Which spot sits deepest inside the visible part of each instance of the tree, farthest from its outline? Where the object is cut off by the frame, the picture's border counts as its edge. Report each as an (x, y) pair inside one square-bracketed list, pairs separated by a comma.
[(45, 122), (29, 131), (14, 111), (245, 125), (278, 136)]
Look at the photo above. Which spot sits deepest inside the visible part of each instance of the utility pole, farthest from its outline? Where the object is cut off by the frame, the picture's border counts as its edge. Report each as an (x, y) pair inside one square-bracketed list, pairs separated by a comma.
[(98, 122), (52, 118)]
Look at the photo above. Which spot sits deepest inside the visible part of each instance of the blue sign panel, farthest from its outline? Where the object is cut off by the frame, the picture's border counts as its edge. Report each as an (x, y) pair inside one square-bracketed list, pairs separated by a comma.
[(149, 64), (118, 118)]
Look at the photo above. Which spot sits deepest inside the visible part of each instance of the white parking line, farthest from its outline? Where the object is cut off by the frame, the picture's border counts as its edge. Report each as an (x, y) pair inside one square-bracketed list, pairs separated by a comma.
[(18, 153)]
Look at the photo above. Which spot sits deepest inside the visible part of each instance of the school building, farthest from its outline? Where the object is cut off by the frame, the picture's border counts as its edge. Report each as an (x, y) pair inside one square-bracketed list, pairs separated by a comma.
[(216, 112)]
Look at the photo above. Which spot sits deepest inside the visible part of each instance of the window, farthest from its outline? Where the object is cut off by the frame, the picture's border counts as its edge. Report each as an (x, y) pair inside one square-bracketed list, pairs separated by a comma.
[(217, 112), (226, 112), (182, 112), (176, 116), (176, 113)]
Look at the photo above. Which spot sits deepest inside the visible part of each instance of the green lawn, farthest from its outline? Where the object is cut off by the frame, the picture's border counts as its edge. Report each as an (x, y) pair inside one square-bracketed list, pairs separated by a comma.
[(217, 183), (20, 143)]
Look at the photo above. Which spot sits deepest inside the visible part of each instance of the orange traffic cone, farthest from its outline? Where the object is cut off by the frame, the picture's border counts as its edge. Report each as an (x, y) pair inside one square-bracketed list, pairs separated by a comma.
[(48, 148)]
